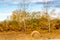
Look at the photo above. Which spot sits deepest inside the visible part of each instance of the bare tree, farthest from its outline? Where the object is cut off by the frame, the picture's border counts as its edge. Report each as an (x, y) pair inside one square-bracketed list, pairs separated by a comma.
[(47, 14)]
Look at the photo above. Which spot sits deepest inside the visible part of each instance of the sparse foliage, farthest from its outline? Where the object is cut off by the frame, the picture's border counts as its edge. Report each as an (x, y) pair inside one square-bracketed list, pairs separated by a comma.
[(34, 21)]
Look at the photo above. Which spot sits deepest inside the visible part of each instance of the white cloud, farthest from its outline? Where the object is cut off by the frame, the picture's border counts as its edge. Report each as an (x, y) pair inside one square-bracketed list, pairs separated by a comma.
[(4, 16), (19, 1), (9, 0), (40, 0), (25, 0), (12, 1)]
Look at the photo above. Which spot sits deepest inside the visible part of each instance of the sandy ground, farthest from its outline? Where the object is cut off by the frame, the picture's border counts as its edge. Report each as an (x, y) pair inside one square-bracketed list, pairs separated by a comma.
[(23, 36)]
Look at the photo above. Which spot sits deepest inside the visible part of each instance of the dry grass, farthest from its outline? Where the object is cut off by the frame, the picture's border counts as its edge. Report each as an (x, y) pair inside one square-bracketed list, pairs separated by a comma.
[(23, 36)]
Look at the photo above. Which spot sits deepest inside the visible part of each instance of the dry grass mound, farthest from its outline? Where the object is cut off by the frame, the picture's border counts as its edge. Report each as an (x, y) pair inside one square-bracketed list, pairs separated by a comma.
[(35, 34)]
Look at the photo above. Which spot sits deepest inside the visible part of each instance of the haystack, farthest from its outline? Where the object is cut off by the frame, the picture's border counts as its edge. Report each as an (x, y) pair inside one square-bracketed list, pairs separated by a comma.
[(35, 34)]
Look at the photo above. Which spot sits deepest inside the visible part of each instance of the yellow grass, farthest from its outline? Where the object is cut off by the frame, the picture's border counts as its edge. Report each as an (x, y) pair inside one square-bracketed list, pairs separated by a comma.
[(23, 36)]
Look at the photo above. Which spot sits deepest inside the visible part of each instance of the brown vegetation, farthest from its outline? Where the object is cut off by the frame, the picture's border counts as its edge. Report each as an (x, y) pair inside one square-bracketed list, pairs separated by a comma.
[(28, 22)]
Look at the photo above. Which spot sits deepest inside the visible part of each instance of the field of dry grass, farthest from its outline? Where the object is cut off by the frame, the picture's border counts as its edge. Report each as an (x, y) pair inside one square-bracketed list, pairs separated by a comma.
[(24, 36)]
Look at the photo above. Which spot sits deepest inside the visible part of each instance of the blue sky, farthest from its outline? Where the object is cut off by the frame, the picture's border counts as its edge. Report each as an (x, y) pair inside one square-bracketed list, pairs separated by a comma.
[(7, 6)]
